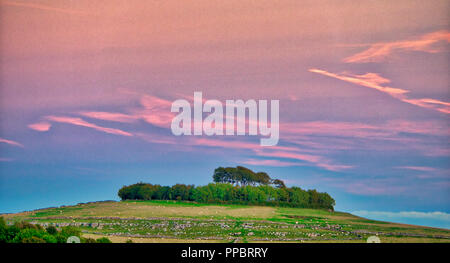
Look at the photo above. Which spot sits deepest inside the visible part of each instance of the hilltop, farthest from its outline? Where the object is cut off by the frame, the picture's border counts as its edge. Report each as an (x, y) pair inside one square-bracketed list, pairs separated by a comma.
[(182, 221)]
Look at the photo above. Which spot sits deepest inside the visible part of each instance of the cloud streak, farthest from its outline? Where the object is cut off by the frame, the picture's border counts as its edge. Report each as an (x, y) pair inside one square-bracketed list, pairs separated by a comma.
[(379, 51), (153, 110), (314, 160), (109, 116), (310, 143), (374, 81), (10, 142), (83, 123), (271, 162)]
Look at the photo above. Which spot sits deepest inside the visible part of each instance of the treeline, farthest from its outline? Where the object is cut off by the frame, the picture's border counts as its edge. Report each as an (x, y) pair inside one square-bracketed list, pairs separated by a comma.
[(24, 232), (221, 192)]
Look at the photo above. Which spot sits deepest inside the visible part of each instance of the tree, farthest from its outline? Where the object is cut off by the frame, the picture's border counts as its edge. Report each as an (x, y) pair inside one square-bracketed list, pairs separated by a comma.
[(243, 176), (278, 183), (263, 178)]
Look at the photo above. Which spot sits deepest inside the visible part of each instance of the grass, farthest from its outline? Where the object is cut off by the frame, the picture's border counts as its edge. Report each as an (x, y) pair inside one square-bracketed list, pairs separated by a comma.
[(172, 221)]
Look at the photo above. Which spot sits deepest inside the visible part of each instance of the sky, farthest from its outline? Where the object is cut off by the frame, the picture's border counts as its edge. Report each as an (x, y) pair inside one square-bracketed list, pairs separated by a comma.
[(86, 89)]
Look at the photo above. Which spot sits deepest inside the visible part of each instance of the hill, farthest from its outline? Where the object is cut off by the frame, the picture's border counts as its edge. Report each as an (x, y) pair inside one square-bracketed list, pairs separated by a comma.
[(181, 221)]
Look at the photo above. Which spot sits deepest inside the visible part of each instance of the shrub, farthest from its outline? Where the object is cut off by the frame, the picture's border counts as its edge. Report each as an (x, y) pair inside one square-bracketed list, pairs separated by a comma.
[(103, 240), (69, 231), (33, 239), (51, 230), (88, 240), (30, 235)]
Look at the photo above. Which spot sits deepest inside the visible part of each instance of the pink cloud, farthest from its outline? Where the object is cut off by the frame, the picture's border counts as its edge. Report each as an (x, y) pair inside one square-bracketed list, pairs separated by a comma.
[(109, 116), (275, 151), (332, 128), (315, 160), (40, 126), (322, 137), (276, 163), (154, 110), (10, 142), (374, 81), (236, 144), (307, 148), (160, 139), (388, 130), (430, 104), (199, 141), (378, 51), (290, 155), (370, 80), (81, 122), (292, 97)]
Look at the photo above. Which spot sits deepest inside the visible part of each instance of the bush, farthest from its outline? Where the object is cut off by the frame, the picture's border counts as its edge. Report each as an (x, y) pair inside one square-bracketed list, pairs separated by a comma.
[(103, 240), (25, 232), (27, 225), (3, 231), (30, 235), (51, 230), (69, 231), (33, 239), (88, 240)]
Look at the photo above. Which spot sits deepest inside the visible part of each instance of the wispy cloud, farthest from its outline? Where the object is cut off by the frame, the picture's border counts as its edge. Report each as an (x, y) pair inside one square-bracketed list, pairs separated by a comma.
[(314, 160), (40, 126), (374, 81), (379, 51), (159, 139), (281, 152), (81, 122), (325, 137), (302, 144), (370, 80), (153, 110), (390, 130), (10, 142), (109, 116), (271, 162)]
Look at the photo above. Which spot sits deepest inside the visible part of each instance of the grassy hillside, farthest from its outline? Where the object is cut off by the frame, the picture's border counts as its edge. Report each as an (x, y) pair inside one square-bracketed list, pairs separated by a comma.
[(170, 221)]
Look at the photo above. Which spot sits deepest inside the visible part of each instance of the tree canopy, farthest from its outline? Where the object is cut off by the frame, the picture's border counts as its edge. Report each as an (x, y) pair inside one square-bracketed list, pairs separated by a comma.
[(243, 176)]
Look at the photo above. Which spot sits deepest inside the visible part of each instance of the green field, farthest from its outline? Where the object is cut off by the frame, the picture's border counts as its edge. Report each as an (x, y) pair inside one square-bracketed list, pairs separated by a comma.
[(171, 221)]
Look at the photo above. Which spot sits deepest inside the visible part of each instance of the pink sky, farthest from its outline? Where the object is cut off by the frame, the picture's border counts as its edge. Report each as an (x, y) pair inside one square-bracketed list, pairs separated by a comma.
[(363, 88)]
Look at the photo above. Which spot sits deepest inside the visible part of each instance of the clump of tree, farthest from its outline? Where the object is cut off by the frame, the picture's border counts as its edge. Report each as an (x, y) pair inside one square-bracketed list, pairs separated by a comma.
[(237, 185), (25, 232), (243, 176)]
